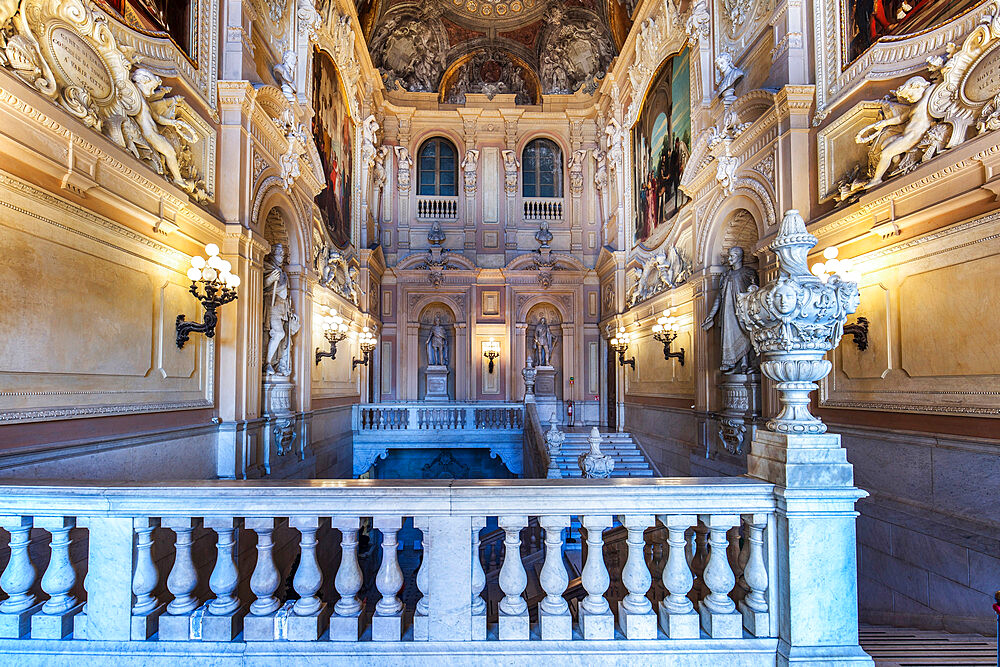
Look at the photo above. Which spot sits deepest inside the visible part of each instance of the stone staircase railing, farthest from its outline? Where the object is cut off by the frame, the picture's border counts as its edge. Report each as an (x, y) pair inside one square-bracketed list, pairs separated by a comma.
[(179, 569), (379, 427)]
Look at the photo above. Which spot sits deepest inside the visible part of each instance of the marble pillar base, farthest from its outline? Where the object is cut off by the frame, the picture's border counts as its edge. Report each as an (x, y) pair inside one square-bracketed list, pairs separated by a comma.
[(556, 627), (479, 627), (757, 623), (387, 628), (514, 627), (222, 628), (637, 626), (721, 626), (259, 628), (545, 383), (15, 626), (54, 626), (345, 628), (597, 626), (175, 628), (421, 628), (145, 626), (680, 626), (307, 628), (437, 383)]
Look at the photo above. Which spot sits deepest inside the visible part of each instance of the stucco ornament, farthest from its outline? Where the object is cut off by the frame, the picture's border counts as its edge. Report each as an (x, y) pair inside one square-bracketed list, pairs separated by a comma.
[(337, 274), (469, 166), (699, 23), (369, 139), (576, 54), (725, 172), (793, 322), (66, 51), (309, 19), (284, 72), (296, 135), (661, 271), (729, 73), (658, 36), (404, 162), (924, 117), (576, 171), (595, 464), (510, 167)]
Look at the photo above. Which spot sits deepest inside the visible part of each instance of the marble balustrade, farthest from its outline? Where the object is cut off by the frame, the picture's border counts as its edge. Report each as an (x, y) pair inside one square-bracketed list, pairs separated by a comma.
[(419, 416), (145, 578)]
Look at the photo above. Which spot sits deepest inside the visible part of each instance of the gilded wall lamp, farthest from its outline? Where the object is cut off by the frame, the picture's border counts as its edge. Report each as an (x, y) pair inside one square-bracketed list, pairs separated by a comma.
[(334, 330), (845, 270), (366, 341), (665, 331), (217, 287), (491, 350), (620, 345)]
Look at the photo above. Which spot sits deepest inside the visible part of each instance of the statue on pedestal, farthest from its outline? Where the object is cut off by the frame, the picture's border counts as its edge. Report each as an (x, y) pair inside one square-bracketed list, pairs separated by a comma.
[(437, 344), (544, 341), (737, 353), (281, 321)]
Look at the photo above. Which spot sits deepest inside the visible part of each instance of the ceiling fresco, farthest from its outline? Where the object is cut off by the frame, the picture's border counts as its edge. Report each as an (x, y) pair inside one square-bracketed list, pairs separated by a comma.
[(527, 48)]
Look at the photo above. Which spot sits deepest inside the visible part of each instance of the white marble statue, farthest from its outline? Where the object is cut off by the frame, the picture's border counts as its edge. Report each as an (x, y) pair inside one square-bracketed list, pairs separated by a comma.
[(280, 320), (510, 167), (911, 112), (544, 340), (661, 271), (404, 162), (729, 73), (369, 138), (595, 464), (284, 72), (469, 166), (437, 344), (157, 110), (737, 352)]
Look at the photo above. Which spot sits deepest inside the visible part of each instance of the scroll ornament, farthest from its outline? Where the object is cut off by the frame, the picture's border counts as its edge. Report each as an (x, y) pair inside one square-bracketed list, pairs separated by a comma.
[(793, 321), (67, 51)]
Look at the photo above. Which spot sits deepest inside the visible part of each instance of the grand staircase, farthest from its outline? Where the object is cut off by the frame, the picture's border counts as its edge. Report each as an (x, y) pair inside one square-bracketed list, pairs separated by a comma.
[(629, 459)]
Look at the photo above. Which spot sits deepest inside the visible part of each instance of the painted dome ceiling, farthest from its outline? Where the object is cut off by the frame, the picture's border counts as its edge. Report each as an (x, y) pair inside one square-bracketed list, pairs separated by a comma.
[(527, 48)]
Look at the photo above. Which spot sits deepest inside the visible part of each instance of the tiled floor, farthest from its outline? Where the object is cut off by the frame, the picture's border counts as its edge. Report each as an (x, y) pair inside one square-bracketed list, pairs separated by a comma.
[(898, 647)]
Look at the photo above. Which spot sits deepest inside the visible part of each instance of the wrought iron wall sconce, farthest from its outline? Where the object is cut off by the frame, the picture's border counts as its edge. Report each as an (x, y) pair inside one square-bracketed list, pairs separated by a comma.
[(334, 330), (491, 350), (367, 341), (213, 285), (620, 345), (845, 270), (665, 331)]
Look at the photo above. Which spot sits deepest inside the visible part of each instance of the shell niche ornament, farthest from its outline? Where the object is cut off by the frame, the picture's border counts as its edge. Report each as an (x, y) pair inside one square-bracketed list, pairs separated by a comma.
[(793, 321)]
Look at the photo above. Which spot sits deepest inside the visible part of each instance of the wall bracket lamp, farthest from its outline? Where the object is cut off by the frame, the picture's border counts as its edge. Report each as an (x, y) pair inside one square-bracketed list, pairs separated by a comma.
[(665, 331), (859, 330), (845, 270), (491, 350), (619, 343), (213, 285), (366, 341), (334, 330)]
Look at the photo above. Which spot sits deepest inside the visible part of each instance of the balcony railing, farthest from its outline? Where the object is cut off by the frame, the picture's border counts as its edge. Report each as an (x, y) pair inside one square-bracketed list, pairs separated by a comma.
[(420, 416), (543, 208), (187, 568), (437, 208)]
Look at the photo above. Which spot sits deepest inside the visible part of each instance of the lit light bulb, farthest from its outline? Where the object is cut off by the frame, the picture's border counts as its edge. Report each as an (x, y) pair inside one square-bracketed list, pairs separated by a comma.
[(211, 250), (194, 274), (832, 266), (831, 253), (198, 262), (657, 328), (818, 269), (232, 280), (225, 266), (209, 273)]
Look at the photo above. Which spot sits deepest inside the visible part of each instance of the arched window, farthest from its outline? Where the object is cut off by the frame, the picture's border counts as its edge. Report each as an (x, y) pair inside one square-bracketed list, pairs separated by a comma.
[(437, 170), (541, 163)]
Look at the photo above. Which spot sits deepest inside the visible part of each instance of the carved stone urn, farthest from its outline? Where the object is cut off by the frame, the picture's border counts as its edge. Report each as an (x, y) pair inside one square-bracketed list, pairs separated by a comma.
[(793, 321), (595, 464)]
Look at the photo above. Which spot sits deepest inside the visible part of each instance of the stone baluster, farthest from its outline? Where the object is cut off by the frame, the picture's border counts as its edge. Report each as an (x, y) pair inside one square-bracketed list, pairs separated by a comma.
[(513, 615), (478, 583), (699, 557), (17, 580), (55, 619), (596, 619), (677, 616), (309, 613), (635, 612), (553, 612), (224, 619), (344, 624), (754, 606), (260, 624), (741, 567), (147, 609), (421, 626), (175, 625), (387, 622), (718, 612)]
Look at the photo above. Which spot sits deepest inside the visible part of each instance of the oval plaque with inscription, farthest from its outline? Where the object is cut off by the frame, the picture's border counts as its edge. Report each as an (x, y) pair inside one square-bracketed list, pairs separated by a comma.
[(982, 83), (79, 63)]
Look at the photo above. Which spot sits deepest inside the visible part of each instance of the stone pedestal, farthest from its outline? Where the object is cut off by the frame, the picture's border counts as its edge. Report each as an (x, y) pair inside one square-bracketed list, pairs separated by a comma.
[(556, 627), (597, 626), (279, 423), (721, 626), (637, 626), (222, 628), (387, 628), (437, 383), (15, 626), (54, 626), (514, 627), (740, 406), (545, 383), (307, 628), (757, 623), (345, 628), (680, 626)]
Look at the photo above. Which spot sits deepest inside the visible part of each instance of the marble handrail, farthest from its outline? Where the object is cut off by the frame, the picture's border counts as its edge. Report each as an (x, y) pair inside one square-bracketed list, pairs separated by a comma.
[(423, 416), (127, 524)]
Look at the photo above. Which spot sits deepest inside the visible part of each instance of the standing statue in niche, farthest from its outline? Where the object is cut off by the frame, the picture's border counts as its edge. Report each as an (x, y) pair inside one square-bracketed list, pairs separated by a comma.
[(437, 344), (281, 321), (737, 353), (544, 341)]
